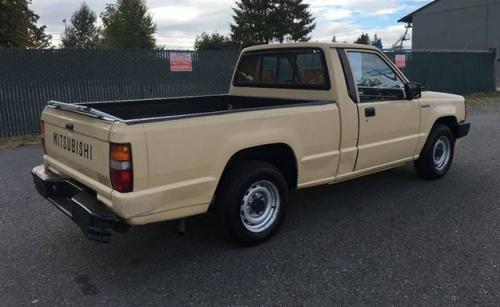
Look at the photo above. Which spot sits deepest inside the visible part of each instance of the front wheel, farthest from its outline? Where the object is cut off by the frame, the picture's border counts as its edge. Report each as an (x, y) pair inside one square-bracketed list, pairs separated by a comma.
[(251, 202), (437, 155)]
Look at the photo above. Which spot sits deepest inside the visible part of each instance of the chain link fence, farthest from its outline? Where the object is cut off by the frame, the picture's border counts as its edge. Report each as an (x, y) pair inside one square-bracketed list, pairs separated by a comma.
[(29, 78), (460, 72)]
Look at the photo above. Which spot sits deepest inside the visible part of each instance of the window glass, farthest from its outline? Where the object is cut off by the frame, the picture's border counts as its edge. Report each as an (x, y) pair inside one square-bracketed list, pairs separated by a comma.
[(304, 68), (249, 70), (269, 67), (375, 79), (286, 71), (311, 68)]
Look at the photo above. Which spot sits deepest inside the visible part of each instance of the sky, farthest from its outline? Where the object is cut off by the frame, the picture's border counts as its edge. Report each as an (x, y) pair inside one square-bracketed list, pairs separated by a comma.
[(180, 21)]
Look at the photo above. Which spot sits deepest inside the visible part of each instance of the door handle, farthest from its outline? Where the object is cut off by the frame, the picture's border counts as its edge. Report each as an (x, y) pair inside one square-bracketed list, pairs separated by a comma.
[(370, 112)]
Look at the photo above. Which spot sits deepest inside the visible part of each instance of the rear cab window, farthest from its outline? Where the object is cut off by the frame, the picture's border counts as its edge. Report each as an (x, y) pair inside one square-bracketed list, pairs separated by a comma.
[(303, 68)]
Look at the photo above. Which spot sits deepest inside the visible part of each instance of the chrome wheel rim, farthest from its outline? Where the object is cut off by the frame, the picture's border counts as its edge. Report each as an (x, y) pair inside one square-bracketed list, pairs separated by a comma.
[(260, 206), (441, 153)]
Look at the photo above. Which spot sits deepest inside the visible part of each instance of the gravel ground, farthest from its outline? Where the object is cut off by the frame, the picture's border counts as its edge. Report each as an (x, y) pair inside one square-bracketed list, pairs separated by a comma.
[(385, 239)]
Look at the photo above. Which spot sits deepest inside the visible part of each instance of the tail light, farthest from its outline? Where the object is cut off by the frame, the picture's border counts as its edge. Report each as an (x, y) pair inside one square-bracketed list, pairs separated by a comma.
[(465, 107), (120, 167), (42, 135)]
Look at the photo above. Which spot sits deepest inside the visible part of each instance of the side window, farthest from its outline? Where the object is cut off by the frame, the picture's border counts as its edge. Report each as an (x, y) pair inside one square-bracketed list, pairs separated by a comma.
[(299, 69), (375, 79)]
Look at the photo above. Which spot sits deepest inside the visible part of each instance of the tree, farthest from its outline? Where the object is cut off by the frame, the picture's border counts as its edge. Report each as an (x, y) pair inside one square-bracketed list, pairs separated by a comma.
[(214, 41), (127, 24), (82, 33), (377, 42), (261, 22), (334, 39), (292, 21), (251, 22), (364, 39), (18, 26)]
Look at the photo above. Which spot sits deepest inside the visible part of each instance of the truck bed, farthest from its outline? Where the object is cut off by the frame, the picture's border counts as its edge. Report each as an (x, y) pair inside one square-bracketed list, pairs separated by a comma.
[(135, 111)]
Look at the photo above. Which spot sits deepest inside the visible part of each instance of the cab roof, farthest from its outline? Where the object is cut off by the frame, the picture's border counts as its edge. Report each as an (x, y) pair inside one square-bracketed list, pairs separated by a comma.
[(307, 45)]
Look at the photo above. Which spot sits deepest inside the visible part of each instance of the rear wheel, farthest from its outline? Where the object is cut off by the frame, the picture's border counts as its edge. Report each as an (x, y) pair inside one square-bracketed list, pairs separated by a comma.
[(437, 155), (251, 202)]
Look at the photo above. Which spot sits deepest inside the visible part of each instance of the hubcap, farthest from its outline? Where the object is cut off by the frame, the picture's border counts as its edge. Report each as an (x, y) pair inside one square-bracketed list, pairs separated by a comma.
[(260, 206), (442, 152)]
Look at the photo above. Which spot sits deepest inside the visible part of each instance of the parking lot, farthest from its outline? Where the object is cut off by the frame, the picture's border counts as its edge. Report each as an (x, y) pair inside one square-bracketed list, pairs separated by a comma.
[(385, 239)]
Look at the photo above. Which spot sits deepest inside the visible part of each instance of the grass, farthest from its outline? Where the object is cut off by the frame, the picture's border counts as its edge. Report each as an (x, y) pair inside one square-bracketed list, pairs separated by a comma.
[(483, 99), (17, 141)]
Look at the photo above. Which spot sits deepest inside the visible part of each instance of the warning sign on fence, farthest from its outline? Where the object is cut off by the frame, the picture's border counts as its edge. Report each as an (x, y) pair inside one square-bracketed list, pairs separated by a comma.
[(181, 61), (401, 60)]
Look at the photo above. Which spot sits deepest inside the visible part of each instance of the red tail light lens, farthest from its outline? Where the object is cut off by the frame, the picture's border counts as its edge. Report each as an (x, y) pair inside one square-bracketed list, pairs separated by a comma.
[(42, 135), (120, 167)]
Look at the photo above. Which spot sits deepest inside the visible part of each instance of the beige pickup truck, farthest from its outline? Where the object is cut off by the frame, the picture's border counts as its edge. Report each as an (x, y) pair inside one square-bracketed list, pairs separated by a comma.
[(296, 116)]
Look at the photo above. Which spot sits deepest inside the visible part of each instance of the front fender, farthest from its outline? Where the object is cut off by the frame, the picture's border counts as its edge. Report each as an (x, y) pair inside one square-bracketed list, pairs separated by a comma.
[(436, 106)]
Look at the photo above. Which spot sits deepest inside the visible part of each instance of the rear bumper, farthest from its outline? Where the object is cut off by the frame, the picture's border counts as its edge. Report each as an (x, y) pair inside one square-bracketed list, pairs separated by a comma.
[(463, 130), (81, 205)]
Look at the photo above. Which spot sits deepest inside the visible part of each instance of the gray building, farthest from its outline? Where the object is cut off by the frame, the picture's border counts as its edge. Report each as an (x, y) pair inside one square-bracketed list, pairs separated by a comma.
[(457, 25)]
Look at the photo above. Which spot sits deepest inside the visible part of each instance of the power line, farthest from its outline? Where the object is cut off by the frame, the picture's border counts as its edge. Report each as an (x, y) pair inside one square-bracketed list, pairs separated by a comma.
[(156, 35)]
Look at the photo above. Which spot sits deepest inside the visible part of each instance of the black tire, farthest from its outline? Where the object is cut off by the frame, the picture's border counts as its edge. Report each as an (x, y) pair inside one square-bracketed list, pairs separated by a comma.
[(229, 198), (425, 166)]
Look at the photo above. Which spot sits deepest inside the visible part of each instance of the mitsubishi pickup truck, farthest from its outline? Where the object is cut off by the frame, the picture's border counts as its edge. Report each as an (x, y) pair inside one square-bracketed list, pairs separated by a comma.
[(296, 116)]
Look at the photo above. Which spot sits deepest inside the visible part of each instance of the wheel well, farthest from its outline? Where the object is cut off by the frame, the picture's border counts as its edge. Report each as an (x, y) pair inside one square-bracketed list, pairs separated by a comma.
[(280, 155), (449, 121)]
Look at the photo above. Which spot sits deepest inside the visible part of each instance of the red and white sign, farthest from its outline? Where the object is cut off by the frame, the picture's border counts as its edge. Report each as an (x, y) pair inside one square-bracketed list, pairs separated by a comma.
[(181, 61), (401, 60)]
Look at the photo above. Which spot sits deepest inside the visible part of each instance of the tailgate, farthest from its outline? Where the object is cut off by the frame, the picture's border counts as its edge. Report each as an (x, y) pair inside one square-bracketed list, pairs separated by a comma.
[(78, 142)]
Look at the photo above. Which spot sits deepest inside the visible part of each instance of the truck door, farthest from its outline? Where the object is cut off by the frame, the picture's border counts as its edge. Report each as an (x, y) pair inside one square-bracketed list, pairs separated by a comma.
[(388, 122)]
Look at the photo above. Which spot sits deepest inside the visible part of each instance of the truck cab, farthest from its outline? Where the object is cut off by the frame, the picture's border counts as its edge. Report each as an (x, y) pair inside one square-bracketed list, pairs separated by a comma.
[(385, 117)]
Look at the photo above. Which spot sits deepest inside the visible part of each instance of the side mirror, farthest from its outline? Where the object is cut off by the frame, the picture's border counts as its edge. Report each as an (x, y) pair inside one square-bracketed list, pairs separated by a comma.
[(413, 90)]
